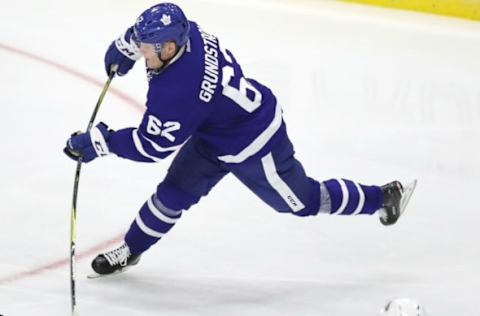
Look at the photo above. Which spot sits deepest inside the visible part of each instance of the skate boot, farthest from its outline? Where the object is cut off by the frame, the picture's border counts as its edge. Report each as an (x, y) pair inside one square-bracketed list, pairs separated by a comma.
[(391, 208), (114, 261)]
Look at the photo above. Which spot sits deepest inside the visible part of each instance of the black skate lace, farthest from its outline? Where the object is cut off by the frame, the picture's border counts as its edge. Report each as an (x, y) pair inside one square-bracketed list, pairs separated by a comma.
[(118, 256)]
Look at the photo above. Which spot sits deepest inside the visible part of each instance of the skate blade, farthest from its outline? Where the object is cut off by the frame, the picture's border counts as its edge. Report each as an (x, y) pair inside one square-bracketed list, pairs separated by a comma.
[(407, 194), (95, 275)]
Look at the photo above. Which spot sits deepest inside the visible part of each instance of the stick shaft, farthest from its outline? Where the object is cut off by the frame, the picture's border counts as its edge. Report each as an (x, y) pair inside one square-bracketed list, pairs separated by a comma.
[(73, 218)]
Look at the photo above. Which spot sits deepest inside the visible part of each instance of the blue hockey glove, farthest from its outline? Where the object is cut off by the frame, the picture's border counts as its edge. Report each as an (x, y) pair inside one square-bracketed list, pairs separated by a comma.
[(89, 145), (122, 52)]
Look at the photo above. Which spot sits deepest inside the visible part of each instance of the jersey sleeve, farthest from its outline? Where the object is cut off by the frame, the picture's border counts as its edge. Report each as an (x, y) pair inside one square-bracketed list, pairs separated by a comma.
[(167, 124), (131, 143)]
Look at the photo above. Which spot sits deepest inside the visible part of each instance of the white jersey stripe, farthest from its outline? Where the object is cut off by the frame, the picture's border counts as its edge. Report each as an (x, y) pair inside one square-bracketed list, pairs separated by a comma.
[(158, 214), (159, 148), (139, 147), (258, 142), (147, 230), (361, 200), (345, 196), (279, 185)]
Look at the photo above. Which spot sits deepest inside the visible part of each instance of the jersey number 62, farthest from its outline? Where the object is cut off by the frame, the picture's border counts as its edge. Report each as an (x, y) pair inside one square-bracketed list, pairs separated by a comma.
[(157, 128)]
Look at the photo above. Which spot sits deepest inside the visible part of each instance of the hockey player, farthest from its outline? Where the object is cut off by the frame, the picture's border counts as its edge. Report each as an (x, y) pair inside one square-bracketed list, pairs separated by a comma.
[(200, 103)]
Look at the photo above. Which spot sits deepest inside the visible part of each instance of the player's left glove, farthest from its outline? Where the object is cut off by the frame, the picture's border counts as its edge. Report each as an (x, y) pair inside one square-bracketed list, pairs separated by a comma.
[(122, 52), (89, 145)]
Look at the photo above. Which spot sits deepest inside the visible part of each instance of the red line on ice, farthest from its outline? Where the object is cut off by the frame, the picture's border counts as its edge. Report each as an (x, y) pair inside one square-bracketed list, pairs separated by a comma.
[(74, 73), (62, 262), (97, 248)]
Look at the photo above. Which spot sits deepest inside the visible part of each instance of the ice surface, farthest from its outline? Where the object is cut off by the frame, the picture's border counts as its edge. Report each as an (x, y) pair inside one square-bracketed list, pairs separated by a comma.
[(368, 94)]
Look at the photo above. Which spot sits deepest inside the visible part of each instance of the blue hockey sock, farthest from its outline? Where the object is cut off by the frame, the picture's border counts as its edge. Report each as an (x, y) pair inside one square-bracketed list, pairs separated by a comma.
[(152, 222), (350, 198)]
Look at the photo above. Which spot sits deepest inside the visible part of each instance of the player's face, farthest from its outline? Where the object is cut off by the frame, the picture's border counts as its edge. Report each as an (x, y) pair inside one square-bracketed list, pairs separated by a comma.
[(151, 56)]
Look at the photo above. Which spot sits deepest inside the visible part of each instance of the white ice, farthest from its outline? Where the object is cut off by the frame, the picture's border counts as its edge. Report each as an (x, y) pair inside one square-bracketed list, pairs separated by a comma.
[(368, 94)]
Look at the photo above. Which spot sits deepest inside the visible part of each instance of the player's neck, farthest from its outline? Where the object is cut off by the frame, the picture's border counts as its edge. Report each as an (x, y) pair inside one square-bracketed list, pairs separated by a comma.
[(171, 60)]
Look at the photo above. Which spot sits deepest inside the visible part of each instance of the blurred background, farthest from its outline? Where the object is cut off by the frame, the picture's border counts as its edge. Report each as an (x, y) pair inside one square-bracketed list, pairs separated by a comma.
[(369, 93)]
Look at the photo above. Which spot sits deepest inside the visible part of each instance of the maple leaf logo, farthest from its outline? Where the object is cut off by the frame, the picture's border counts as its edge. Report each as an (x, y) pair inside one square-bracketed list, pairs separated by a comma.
[(166, 19)]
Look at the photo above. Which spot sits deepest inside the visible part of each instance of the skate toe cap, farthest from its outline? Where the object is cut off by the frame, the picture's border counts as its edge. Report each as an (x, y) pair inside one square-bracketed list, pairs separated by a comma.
[(100, 265)]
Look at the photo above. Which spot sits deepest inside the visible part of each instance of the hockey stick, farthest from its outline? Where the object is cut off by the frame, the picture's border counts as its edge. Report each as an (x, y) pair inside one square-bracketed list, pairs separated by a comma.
[(73, 218)]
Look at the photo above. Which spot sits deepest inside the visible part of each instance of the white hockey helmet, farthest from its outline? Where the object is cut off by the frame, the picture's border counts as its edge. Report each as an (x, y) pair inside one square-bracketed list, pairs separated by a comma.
[(403, 307)]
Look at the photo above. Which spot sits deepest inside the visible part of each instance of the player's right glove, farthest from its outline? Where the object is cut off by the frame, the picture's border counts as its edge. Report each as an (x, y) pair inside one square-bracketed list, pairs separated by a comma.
[(122, 52), (89, 145)]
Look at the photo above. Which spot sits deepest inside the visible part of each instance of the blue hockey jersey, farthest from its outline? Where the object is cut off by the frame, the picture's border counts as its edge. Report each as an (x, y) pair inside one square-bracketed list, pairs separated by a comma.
[(203, 94)]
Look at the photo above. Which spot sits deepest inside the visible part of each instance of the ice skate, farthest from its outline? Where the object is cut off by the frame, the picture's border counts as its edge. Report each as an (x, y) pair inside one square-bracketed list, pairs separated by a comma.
[(395, 200), (114, 261)]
